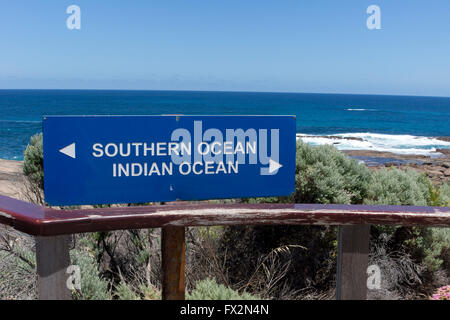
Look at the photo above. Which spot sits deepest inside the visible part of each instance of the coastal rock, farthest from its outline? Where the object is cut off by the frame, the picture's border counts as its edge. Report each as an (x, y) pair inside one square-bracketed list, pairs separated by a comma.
[(432, 173), (333, 137), (444, 151)]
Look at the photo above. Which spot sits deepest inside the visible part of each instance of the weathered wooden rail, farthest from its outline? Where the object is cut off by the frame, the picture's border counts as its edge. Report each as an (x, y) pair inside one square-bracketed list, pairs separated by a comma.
[(51, 227)]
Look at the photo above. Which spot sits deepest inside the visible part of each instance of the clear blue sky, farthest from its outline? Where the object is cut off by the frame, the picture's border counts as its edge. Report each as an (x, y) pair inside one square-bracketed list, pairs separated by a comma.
[(233, 45)]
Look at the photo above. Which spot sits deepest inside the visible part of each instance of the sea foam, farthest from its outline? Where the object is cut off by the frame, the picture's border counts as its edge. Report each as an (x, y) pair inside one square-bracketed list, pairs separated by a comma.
[(398, 144)]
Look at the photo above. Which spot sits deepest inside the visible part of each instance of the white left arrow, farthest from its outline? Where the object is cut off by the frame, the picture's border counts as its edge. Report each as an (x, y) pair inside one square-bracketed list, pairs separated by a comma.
[(69, 150)]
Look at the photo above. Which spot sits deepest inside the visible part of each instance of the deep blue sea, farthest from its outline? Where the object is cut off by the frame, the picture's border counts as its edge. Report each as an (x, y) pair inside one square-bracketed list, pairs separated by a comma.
[(400, 124)]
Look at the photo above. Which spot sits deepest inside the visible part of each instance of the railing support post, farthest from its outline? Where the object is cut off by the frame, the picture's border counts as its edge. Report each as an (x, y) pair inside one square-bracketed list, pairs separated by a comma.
[(352, 262), (173, 263), (52, 260)]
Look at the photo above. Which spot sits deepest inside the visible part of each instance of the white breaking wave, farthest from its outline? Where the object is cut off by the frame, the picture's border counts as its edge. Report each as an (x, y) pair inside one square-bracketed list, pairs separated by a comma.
[(356, 109), (398, 144)]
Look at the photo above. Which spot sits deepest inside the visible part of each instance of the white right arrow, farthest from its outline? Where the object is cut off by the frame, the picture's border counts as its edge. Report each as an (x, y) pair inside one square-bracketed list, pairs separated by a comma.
[(274, 166), (69, 150)]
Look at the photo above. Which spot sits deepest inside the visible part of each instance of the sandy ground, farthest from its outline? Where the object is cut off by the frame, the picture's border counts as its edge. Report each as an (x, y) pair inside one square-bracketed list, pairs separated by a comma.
[(11, 178)]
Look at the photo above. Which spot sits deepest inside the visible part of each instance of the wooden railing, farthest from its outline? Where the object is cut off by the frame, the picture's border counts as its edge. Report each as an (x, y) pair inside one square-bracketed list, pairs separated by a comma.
[(52, 227)]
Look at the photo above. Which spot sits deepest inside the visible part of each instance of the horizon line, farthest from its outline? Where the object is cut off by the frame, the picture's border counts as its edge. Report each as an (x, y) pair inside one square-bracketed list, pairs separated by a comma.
[(229, 91)]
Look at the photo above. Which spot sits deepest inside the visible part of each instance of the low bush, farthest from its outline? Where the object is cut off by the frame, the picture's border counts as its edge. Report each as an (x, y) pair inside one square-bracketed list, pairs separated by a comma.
[(244, 247), (33, 166), (33, 169), (325, 175), (208, 289), (443, 196), (431, 246), (93, 285), (398, 187)]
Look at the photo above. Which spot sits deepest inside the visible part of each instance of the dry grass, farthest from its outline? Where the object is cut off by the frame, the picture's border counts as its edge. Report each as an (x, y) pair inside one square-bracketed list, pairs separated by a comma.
[(17, 266)]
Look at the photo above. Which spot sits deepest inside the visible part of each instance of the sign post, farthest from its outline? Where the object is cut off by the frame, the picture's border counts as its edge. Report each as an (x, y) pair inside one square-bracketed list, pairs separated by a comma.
[(139, 159), (353, 260), (173, 249), (52, 260)]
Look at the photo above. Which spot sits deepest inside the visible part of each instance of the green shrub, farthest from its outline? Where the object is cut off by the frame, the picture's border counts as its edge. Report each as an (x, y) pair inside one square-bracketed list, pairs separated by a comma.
[(136, 291), (33, 164), (208, 289), (125, 292), (93, 286), (325, 175), (431, 246), (443, 197), (33, 170), (398, 187)]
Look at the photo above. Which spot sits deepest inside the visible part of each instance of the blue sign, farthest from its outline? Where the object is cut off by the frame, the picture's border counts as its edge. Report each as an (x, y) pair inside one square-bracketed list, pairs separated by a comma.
[(133, 159)]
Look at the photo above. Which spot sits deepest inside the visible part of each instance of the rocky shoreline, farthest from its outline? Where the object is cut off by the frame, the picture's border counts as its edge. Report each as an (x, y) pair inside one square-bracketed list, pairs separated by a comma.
[(435, 165), (437, 169)]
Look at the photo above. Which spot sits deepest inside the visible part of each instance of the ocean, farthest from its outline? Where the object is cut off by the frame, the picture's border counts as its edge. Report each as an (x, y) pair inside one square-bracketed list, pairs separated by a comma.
[(398, 124)]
